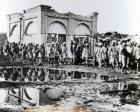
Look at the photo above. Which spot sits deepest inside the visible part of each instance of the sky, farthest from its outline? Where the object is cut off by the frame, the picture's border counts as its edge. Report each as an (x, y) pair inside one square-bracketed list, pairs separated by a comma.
[(114, 15)]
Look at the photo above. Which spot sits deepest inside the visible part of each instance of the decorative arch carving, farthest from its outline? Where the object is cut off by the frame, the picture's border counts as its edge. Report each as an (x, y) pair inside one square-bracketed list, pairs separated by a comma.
[(57, 24), (27, 27), (82, 29), (12, 30)]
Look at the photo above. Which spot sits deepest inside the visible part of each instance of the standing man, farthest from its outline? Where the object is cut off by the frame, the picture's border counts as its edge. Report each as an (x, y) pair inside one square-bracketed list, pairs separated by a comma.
[(119, 49), (85, 53), (130, 56), (73, 50), (138, 57), (99, 54), (64, 52), (104, 54), (113, 54), (124, 54)]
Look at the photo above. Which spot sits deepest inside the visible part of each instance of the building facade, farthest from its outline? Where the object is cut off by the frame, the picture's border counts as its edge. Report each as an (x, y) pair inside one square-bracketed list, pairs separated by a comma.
[(3, 38), (42, 24)]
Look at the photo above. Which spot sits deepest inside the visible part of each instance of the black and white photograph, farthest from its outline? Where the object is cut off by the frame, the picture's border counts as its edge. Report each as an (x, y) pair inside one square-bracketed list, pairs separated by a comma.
[(69, 56)]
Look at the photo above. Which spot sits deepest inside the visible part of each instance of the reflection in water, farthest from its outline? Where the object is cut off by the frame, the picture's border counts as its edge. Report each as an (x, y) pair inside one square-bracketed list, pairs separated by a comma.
[(40, 74), (24, 74), (92, 87)]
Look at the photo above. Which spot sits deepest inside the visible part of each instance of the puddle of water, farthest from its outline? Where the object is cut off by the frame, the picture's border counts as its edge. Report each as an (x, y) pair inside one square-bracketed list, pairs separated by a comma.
[(39, 74), (73, 87)]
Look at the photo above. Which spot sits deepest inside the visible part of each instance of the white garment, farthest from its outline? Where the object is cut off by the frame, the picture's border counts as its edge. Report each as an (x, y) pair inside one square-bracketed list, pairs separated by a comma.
[(138, 53), (39, 55), (85, 53), (129, 49), (64, 52), (119, 49)]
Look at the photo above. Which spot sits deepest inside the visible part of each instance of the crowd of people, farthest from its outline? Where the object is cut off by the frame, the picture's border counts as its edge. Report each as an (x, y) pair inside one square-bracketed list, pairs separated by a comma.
[(121, 55), (115, 54), (54, 53), (19, 51), (35, 52)]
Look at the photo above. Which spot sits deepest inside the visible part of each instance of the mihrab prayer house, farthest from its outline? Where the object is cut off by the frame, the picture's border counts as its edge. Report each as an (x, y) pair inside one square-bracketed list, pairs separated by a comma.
[(42, 24)]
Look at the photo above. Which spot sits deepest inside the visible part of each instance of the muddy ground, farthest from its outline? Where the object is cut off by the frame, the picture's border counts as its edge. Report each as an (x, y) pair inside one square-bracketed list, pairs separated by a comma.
[(91, 93)]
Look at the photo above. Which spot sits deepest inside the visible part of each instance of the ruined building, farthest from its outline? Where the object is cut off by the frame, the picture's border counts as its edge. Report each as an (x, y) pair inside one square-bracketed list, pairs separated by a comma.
[(42, 24)]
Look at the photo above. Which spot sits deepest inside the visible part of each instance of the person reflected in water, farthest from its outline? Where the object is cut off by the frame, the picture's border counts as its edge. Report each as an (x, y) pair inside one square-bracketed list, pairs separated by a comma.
[(41, 74)]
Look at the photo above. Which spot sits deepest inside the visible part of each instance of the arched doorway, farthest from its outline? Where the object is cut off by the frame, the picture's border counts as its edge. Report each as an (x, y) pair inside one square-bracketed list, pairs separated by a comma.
[(56, 33), (56, 36), (82, 29), (81, 32), (81, 37)]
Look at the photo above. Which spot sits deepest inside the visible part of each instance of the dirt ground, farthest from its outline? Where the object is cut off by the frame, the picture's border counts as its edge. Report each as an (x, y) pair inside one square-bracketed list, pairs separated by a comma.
[(84, 94)]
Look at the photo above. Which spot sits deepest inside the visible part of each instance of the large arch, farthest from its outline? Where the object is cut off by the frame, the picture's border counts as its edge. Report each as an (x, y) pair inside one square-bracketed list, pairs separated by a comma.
[(82, 32), (30, 28), (82, 29), (56, 27), (14, 30), (27, 27), (56, 32)]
